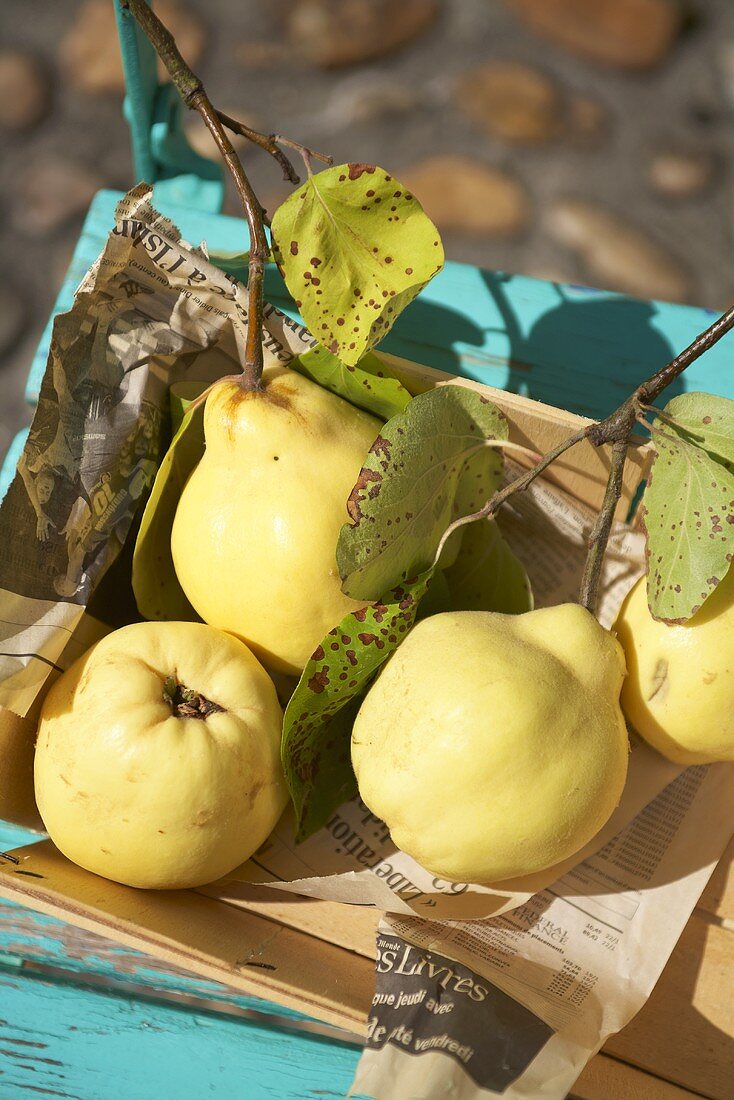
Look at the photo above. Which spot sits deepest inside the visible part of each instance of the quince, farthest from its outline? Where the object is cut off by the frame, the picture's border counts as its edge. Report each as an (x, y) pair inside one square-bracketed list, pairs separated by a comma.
[(494, 745), (679, 694), (158, 756), (255, 533)]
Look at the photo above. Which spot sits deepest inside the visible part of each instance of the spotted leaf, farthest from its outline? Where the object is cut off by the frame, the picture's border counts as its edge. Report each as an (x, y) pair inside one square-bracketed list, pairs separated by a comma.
[(429, 465), (318, 719), (370, 385), (688, 507), (354, 248), (158, 593)]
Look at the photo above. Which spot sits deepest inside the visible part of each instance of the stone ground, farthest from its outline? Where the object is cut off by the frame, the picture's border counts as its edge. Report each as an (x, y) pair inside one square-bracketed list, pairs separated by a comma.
[(600, 152)]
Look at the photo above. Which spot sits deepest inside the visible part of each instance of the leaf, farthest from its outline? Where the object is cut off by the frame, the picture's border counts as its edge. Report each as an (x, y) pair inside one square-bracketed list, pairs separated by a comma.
[(370, 385), (688, 507), (319, 715), (158, 594), (429, 465), (486, 575), (354, 248)]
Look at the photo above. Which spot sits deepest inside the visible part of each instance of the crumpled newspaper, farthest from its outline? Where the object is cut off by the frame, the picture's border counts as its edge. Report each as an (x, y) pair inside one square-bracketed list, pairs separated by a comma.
[(152, 311)]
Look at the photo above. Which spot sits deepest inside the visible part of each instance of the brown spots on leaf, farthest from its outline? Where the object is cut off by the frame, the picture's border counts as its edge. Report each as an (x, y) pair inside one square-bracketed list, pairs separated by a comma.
[(357, 170), (334, 347), (370, 480), (707, 420), (352, 657), (319, 681), (315, 261), (294, 248)]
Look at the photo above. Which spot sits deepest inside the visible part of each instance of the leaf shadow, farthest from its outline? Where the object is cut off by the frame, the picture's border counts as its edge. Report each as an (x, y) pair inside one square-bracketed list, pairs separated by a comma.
[(585, 354)]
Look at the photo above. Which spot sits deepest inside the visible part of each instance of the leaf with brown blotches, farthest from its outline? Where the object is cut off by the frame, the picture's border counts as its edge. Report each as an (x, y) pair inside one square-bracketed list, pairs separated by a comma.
[(430, 465), (688, 507), (319, 716), (370, 385), (355, 248)]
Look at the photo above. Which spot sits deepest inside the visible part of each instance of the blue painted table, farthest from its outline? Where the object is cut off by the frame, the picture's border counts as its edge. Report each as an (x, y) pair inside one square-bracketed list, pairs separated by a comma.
[(81, 1017)]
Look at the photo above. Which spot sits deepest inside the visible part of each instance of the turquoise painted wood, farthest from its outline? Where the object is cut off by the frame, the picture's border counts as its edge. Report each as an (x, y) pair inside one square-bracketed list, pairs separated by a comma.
[(83, 1018), (575, 347)]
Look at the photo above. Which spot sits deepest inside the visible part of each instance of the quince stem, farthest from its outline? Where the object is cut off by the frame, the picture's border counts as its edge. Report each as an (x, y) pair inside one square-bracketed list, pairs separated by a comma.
[(187, 703)]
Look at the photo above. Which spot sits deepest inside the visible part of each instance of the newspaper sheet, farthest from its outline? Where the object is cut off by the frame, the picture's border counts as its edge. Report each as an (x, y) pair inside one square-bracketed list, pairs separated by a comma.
[(515, 1006), (152, 311)]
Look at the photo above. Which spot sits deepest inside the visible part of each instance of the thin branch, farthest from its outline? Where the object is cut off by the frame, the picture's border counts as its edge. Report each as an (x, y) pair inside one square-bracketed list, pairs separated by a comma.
[(654, 386), (271, 142), (192, 92), (519, 485), (589, 592)]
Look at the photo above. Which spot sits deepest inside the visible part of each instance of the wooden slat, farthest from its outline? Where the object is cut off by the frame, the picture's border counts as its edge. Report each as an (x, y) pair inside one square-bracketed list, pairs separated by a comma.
[(684, 1032), (582, 472), (217, 941), (605, 1078), (718, 897)]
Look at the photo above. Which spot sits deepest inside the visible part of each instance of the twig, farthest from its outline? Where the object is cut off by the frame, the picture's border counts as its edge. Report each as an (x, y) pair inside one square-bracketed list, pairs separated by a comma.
[(270, 143), (522, 482), (615, 429), (194, 96), (599, 536), (192, 92)]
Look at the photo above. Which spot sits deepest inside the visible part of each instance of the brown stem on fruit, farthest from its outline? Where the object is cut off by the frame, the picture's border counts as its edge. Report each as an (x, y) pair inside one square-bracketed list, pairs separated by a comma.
[(194, 96), (187, 703)]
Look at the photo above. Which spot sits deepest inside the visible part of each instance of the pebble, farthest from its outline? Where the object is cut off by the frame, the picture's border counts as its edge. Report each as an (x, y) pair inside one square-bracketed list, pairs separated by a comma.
[(89, 52), (680, 174), (261, 54), (512, 101), (362, 98), (587, 122), (466, 196), (335, 33), (25, 93), (617, 255), (12, 317), (627, 34), (51, 191)]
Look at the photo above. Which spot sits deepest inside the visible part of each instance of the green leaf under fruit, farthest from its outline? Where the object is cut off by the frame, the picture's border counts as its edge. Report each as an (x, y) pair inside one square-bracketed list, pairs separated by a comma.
[(319, 716), (486, 575), (354, 248), (429, 465), (688, 507), (370, 385), (158, 594)]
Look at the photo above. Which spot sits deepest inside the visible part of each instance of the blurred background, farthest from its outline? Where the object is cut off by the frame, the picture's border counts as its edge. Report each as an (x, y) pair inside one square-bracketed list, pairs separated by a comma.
[(579, 140)]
